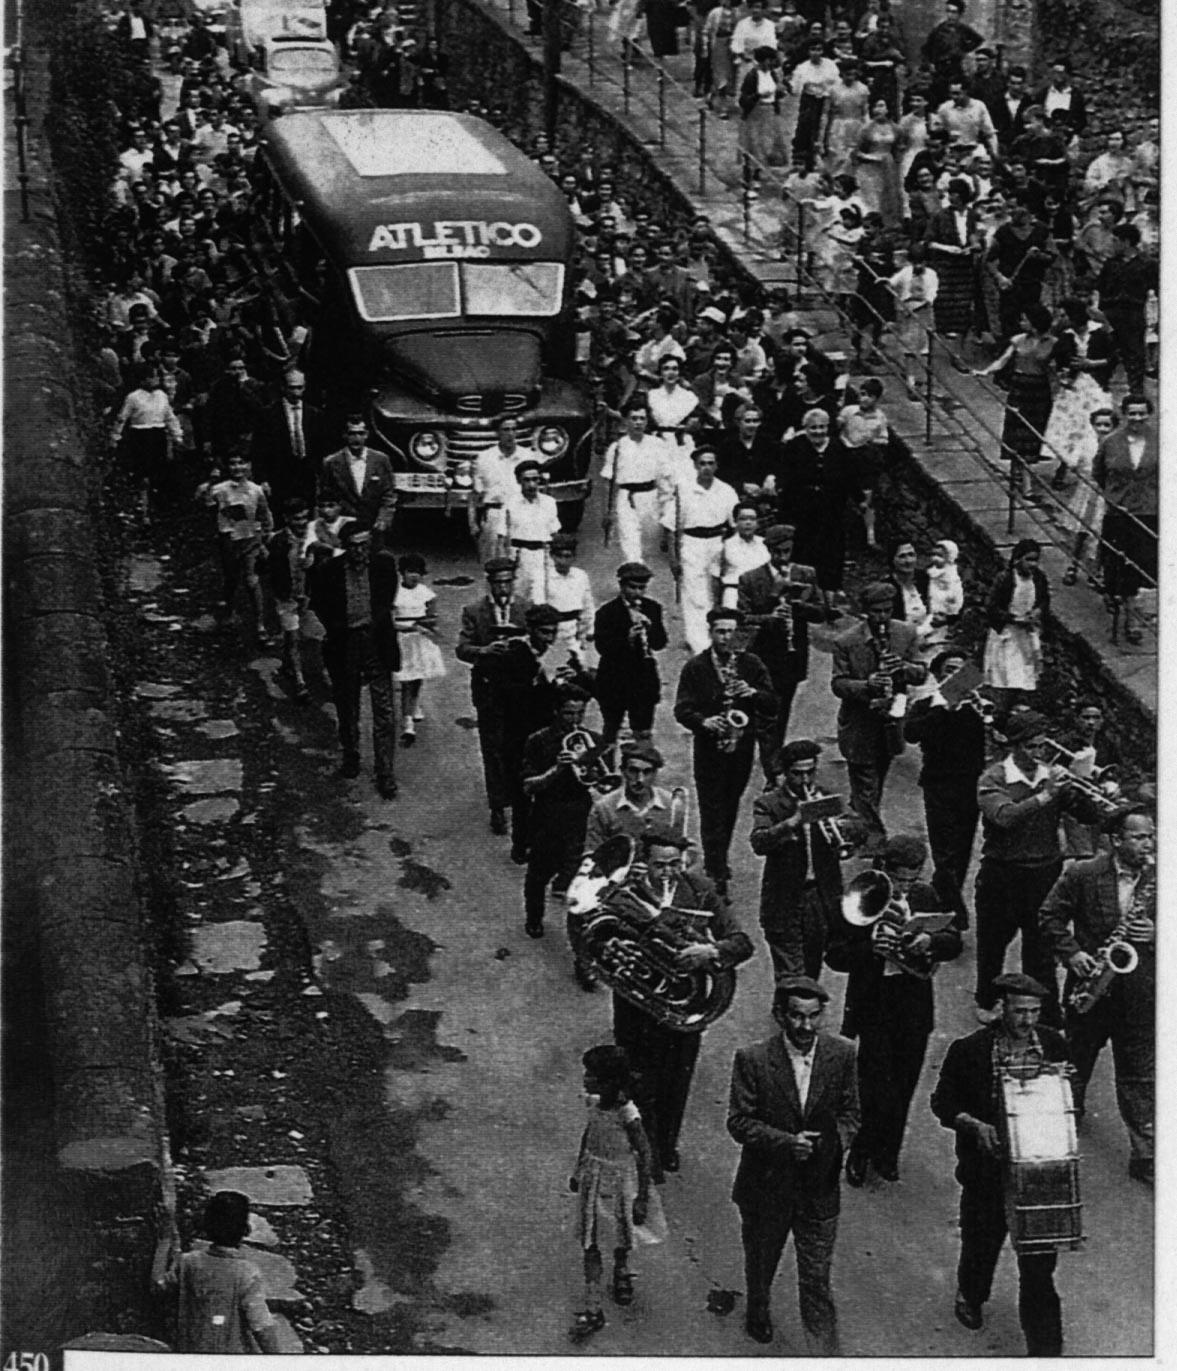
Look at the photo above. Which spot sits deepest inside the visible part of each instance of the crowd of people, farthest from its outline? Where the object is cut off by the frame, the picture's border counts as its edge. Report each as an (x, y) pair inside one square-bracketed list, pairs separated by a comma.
[(737, 466)]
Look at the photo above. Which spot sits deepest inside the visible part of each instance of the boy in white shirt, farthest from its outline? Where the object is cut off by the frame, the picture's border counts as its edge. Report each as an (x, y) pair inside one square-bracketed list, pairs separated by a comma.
[(571, 595), (244, 522), (533, 519), (744, 551)]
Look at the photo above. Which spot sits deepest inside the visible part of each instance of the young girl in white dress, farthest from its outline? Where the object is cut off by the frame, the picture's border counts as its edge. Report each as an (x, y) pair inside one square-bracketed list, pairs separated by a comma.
[(612, 1184), (945, 597), (416, 622)]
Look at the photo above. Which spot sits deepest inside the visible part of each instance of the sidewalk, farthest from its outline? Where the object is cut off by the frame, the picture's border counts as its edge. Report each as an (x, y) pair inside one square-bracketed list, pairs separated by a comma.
[(961, 455)]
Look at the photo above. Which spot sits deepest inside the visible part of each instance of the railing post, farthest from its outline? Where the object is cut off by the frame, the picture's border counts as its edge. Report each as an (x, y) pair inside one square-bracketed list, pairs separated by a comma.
[(702, 152), (1014, 475), (626, 65), (746, 196), (591, 16), (928, 389), (661, 105), (800, 244)]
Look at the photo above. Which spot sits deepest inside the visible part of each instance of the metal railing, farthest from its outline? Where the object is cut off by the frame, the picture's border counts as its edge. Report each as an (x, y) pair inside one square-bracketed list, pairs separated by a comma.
[(18, 63), (650, 96)]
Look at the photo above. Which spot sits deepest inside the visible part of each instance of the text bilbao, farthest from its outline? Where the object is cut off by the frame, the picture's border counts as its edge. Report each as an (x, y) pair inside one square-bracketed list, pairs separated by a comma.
[(453, 237)]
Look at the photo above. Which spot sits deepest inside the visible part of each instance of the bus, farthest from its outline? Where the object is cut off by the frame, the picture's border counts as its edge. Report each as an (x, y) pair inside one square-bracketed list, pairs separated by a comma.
[(431, 261)]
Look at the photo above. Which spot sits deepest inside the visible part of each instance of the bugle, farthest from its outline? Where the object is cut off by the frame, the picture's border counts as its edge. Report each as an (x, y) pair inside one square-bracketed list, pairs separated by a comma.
[(1103, 795)]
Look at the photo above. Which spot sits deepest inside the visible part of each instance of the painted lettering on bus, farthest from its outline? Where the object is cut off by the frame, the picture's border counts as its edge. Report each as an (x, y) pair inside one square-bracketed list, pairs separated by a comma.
[(453, 237)]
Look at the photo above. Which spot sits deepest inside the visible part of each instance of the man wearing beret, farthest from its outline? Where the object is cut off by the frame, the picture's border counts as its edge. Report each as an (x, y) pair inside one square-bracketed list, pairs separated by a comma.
[(1021, 799), (874, 663), (794, 1111), (533, 520), (628, 631), (889, 1005), (664, 1058), (714, 685), (966, 1101), (486, 627), (779, 601)]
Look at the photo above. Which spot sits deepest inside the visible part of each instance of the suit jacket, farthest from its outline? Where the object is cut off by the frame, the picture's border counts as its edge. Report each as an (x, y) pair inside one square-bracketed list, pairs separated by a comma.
[(1134, 491), (764, 1106), (952, 742), (1083, 907), (700, 697), (855, 659), (625, 672), (966, 1086), (478, 631), (757, 600), (1078, 113), (376, 502), (785, 865), (898, 609), (327, 591), (272, 455), (868, 1003)]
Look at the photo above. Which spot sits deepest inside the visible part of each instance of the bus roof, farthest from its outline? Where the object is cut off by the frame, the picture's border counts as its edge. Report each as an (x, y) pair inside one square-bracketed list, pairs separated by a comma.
[(384, 186)]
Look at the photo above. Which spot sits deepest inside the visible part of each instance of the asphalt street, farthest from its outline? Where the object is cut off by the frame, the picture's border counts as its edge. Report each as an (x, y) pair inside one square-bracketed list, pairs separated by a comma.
[(488, 1061)]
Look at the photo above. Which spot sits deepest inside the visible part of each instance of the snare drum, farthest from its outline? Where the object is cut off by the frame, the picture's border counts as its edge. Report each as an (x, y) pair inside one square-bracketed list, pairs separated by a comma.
[(1042, 1205)]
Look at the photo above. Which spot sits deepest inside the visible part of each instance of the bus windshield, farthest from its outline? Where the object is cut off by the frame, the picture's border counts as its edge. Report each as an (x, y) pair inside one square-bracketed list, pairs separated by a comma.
[(430, 290)]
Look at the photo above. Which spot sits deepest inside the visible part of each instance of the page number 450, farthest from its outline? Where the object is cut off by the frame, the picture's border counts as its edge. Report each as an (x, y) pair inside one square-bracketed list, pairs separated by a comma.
[(26, 1361)]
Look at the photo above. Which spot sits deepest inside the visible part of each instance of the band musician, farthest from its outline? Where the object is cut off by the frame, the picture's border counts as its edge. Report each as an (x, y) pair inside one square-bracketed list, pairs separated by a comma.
[(779, 601), (664, 1058), (715, 688), (889, 1004), (801, 886), (1113, 896), (628, 631), (966, 1101), (874, 663)]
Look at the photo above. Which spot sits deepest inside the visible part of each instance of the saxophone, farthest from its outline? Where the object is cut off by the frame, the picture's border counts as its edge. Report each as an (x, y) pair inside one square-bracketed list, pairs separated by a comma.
[(1116, 956), (735, 721)]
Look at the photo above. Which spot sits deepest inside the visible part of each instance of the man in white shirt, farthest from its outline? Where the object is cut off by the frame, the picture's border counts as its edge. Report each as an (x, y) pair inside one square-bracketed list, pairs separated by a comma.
[(754, 31), (639, 802), (533, 519), (744, 551), (570, 594), (493, 483), (813, 80), (968, 121), (632, 467), (703, 515)]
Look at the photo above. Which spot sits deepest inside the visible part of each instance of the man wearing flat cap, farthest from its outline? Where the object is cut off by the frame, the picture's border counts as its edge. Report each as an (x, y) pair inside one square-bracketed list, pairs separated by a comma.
[(779, 601), (664, 1058), (966, 1101), (1021, 798), (628, 630), (714, 686), (486, 627), (638, 803), (874, 663), (889, 1003), (533, 520), (794, 1111)]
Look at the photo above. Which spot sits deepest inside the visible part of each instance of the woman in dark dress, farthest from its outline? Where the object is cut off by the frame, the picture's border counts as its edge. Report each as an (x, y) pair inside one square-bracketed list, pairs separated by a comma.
[(953, 247), (1026, 364), (1126, 469)]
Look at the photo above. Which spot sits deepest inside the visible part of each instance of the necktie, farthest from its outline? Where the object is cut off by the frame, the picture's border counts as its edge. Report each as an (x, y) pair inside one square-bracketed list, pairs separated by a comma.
[(297, 444)]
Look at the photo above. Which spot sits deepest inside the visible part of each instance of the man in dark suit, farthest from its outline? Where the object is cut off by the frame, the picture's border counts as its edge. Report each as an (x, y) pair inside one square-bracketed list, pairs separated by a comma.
[(874, 663), (1113, 895), (486, 627), (794, 1112), (889, 1005), (359, 479), (288, 444), (714, 684), (801, 887), (663, 1057), (819, 478), (966, 1101), (352, 596), (779, 601), (627, 632), (1061, 93)]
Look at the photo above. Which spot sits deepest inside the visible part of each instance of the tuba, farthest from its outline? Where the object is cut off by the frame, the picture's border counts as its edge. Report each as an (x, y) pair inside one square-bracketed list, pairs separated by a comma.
[(1116, 956), (589, 764), (869, 899), (632, 943)]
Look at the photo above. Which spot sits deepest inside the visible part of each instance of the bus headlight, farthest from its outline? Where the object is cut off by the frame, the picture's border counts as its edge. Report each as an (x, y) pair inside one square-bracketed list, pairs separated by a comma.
[(427, 446), (551, 441), (463, 475)]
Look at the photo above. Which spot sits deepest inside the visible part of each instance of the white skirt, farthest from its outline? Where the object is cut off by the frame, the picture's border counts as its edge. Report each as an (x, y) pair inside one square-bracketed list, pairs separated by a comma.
[(421, 658), (1013, 658)]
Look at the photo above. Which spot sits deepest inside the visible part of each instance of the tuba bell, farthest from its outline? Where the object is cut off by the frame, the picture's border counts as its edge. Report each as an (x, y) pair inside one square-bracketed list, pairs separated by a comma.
[(622, 934), (870, 899)]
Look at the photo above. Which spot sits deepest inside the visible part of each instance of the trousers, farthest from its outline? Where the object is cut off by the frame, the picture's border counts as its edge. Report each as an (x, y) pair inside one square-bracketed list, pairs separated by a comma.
[(764, 1231), (809, 114), (867, 779), (983, 1232), (890, 1059), (552, 853), (490, 745), (1128, 327), (636, 514), (797, 941), (1008, 900), (1126, 1016), (664, 1066), (351, 662), (720, 781), (700, 572), (774, 735), (951, 815)]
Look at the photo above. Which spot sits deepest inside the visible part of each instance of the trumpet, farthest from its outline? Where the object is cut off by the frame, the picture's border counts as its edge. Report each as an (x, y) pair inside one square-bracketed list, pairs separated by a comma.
[(1104, 795), (981, 705), (589, 764), (870, 899), (828, 826)]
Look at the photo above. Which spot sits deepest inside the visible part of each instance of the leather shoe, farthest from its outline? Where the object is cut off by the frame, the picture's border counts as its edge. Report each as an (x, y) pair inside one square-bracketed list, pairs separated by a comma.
[(855, 1170), (966, 1313), (758, 1327), (498, 821), (518, 854), (888, 1171), (533, 928), (672, 1161), (387, 790), (350, 768)]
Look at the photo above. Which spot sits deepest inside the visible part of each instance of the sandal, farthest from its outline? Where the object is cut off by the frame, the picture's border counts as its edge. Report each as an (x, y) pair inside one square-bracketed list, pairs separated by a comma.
[(585, 1324), (622, 1285)]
